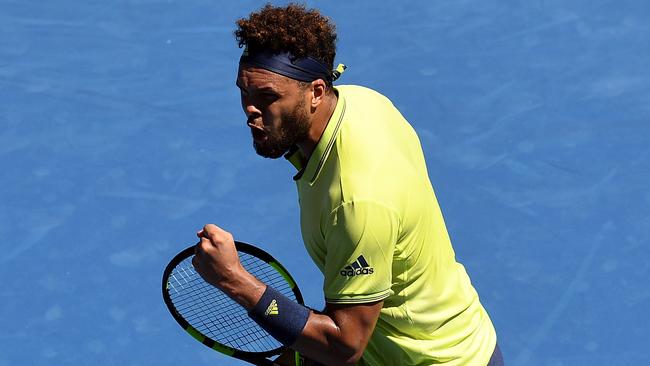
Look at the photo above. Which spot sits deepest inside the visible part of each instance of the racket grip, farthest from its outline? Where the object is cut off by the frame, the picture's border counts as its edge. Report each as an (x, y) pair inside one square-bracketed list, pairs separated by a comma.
[(263, 362)]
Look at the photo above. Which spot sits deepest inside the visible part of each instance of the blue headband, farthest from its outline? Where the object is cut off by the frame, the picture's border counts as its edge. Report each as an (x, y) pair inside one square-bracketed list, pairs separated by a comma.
[(303, 69)]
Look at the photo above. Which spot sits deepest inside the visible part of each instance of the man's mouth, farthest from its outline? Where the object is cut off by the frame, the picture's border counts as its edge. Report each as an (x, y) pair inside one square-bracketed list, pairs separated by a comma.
[(257, 132), (251, 122)]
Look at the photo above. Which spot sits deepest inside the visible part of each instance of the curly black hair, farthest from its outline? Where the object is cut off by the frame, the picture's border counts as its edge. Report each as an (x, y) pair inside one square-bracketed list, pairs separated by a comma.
[(301, 32)]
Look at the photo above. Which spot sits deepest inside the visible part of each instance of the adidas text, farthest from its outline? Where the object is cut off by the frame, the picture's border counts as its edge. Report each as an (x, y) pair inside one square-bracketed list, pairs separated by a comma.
[(357, 272)]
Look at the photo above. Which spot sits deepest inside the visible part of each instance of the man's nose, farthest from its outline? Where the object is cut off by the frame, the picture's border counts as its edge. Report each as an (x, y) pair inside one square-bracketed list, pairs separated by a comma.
[(250, 109)]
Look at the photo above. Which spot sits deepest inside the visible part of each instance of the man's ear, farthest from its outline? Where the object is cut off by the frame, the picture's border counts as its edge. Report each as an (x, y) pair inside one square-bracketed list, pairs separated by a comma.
[(318, 91)]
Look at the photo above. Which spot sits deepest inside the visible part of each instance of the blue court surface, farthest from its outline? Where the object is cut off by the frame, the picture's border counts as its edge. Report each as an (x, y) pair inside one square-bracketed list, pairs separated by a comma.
[(121, 135)]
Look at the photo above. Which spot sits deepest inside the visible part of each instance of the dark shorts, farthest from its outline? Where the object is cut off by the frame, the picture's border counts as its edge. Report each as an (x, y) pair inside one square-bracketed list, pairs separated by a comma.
[(497, 357)]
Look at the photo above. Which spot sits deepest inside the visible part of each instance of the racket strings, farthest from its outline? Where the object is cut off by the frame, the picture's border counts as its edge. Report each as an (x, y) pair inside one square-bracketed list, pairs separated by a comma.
[(216, 315)]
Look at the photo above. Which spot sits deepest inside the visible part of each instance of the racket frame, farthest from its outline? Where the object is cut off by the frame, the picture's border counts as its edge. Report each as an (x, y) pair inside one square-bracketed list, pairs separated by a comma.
[(256, 358)]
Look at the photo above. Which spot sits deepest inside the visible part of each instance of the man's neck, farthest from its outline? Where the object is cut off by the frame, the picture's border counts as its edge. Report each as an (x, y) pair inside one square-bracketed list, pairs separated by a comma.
[(319, 122)]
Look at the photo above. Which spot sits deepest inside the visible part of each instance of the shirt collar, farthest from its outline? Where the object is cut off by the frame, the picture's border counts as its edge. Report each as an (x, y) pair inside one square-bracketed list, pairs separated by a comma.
[(311, 168)]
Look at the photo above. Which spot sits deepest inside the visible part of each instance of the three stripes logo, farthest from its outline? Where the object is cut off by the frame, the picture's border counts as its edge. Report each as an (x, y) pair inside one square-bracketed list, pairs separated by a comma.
[(272, 309), (358, 267)]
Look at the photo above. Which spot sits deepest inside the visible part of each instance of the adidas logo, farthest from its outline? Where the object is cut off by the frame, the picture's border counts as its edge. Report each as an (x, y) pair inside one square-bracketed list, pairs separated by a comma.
[(272, 309), (358, 267)]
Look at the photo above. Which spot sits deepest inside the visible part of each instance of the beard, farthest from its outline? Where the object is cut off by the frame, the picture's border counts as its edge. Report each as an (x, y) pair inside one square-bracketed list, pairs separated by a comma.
[(294, 127)]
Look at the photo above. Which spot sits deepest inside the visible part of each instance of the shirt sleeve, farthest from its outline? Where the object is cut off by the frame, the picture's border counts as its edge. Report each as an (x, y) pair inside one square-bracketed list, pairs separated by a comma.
[(360, 239)]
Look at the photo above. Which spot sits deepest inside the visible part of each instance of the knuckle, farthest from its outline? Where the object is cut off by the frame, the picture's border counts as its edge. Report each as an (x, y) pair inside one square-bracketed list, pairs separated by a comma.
[(205, 245)]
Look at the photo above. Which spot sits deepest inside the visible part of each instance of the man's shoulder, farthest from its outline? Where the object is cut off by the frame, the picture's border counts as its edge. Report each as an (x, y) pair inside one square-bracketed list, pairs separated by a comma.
[(355, 93)]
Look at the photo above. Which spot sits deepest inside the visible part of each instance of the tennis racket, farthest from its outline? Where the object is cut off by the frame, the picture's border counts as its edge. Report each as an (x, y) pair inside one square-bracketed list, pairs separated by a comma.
[(213, 318)]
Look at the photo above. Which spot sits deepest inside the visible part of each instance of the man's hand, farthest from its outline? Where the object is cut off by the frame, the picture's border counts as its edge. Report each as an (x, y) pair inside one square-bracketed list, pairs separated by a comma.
[(215, 256), (217, 261)]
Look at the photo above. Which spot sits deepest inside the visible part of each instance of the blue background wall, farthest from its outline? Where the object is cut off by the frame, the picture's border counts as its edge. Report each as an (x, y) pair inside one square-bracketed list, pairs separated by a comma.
[(121, 135)]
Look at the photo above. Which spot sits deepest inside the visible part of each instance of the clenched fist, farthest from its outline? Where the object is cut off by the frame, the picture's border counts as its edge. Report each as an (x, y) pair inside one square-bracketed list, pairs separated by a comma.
[(217, 261), (215, 256)]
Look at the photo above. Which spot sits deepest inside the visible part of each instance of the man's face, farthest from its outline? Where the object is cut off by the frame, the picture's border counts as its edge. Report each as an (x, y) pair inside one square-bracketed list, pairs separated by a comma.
[(275, 108)]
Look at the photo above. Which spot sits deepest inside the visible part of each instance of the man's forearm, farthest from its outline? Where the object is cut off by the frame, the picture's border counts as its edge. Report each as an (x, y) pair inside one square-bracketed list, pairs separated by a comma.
[(336, 336), (339, 335), (323, 340)]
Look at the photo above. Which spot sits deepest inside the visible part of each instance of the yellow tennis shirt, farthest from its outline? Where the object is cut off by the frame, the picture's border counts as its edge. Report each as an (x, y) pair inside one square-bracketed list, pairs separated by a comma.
[(371, 223)]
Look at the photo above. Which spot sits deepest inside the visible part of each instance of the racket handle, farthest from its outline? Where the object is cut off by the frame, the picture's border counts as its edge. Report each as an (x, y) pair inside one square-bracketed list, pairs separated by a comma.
[(263, 362)]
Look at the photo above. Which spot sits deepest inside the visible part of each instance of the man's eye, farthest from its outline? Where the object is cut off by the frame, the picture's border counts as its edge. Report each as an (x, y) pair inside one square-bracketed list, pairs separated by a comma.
[(270, 96)]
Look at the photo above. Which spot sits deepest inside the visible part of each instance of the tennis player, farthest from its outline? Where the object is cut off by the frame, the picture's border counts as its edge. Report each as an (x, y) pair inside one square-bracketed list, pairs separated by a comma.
[(394, 293)]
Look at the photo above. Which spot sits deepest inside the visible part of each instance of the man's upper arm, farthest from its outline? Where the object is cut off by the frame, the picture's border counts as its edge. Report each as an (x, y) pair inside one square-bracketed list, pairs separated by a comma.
[(360, 240)]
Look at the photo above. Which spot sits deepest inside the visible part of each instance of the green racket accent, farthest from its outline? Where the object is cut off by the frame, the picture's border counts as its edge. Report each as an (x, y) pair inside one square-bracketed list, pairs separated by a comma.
[(195, 333), (284, 273), (223, 349), (215, 346)]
